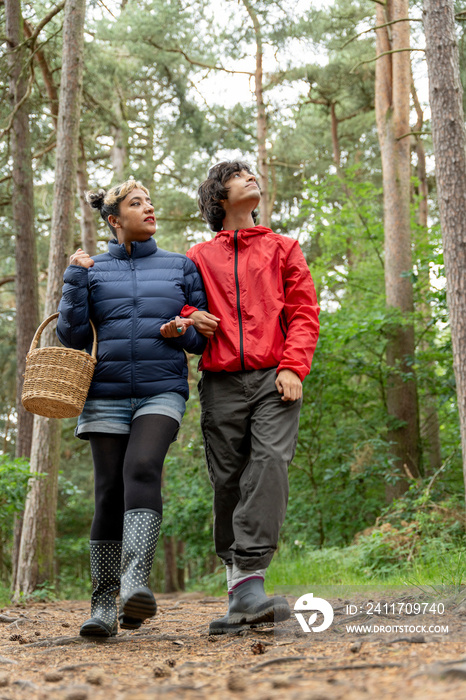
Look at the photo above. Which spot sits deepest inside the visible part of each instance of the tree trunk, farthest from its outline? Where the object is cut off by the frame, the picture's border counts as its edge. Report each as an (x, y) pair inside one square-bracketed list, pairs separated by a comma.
[(171, 579), (393, 79), (26, 287), (180, 565), (430, 429), (47, 76), (38, 535), (449, 139), (119, 152), (88, 227), (335, 140), (261, 121)]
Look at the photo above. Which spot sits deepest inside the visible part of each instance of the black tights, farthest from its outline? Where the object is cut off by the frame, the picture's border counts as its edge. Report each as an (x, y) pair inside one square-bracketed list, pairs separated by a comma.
[(128, 472)]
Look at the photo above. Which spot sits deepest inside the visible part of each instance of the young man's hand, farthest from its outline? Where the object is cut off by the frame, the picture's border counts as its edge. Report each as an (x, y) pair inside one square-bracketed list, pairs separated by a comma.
[(204, 322), (289, 384), (175, 328)]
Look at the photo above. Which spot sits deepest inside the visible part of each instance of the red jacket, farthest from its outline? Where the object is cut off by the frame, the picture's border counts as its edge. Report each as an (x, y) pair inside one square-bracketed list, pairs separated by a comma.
[(259, 285)]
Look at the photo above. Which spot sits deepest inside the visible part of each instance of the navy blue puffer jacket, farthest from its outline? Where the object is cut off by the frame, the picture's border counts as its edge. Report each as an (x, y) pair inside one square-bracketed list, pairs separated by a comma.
[(128, 298)]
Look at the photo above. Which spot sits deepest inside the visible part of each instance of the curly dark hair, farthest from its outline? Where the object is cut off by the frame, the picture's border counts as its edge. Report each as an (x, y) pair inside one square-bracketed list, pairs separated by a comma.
[(213, 190), (109, 202)]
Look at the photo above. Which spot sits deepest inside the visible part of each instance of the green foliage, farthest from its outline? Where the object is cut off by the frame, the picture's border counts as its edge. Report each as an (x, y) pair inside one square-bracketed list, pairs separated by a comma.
[(338, 475), (14, 478), (438, 572), (5, 595), (298, 565), (187, 497), (74, 517), (427, 525), (44, 592)]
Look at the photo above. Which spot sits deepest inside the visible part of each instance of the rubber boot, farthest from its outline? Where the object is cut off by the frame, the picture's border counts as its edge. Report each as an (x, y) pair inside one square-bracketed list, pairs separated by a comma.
[(105, 573), (223, 625), (250, 605), (141, 529)]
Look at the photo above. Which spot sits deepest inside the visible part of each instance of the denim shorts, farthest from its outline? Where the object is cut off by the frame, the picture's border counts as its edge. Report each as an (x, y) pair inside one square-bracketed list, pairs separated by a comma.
[(116, 415)]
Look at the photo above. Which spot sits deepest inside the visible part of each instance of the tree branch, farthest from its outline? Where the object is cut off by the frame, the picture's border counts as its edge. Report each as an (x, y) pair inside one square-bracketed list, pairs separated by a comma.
[(417, 105), (106, 8), (212, 111), (414, 133), (367, 108), (314, 101), (18, 105), (380, 26), (5, 280), (45, 150), (32, 39), (46, 20), (198, 63), (384, 53), (46, 74)]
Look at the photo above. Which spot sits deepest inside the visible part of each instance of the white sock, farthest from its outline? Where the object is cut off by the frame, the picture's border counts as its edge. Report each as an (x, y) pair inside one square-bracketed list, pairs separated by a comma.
[(228, 571), (239, 575)]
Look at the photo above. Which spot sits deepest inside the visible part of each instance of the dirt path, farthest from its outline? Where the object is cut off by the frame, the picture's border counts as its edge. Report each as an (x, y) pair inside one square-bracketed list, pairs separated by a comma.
[(171, 656)]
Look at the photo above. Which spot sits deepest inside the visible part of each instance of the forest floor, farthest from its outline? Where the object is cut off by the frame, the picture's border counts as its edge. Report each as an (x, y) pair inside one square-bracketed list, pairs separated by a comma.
[(172, 656)]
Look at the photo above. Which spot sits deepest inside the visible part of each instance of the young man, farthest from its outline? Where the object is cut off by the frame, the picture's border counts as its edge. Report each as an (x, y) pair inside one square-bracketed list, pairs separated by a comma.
[(262, 329)]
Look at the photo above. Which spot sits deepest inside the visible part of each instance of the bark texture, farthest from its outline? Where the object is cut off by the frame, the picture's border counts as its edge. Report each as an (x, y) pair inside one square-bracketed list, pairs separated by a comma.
[(119, 152), (27, 301), (26, 283), (261, 121), (393, 80), (430, 429), (170, 577), (87, 222), (38, 536), (449, 139), (88, 227)]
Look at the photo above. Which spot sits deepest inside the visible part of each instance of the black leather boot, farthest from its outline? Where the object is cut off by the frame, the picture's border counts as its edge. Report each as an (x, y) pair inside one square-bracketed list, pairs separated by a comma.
[(250, 605), (105, 572), (140, 535)]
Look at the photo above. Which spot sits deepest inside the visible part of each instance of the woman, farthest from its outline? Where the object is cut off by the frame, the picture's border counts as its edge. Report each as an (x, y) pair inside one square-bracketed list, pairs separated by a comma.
[(133, 294)]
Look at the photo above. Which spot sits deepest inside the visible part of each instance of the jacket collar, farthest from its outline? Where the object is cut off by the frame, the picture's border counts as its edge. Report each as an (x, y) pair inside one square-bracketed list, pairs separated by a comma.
[(139, 249), (246, 232)]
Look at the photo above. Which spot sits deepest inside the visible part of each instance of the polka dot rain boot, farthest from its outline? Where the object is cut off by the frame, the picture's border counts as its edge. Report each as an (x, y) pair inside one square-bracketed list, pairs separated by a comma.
[(140, 535), (105, 573)]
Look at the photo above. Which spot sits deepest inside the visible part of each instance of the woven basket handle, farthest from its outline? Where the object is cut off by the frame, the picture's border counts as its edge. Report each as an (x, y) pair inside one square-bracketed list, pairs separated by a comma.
[(38, 333)]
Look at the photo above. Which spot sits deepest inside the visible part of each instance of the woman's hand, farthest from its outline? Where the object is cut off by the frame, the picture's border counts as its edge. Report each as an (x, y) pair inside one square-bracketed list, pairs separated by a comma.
[(81, 259), (176, 328)]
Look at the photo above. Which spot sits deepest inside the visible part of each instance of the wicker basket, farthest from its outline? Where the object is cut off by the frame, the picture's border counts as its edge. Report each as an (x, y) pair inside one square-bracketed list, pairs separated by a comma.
[(57, 379)]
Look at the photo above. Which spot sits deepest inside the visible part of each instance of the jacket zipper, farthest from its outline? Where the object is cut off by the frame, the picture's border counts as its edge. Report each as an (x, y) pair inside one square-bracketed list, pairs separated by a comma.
[(238, 304), (131, 263)]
